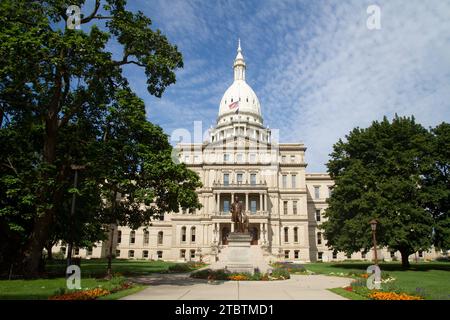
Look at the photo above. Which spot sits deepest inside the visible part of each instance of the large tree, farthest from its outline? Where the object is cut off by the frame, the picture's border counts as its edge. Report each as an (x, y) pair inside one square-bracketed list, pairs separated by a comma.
[(379, 174), (58, 88)]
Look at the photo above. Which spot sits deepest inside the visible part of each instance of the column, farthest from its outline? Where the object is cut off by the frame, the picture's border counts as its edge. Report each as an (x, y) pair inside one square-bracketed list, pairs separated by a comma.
[(260, 240), (246, 201), (260, 202), (232, 198), (232, 227), (218, 203), (265, 202)]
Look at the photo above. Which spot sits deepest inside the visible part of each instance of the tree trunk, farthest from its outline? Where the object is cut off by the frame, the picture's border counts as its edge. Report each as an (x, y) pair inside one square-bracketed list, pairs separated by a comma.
[(405, 262), (49, 251)]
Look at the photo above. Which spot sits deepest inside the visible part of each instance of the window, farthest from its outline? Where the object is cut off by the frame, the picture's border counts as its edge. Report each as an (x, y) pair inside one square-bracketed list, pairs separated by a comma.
[(294, 207), (183, 234), (295, 234), (349, 255), (286, 234), (330, 191), (363, 255), (117, 253), (319, 238), (182, 253), (318, 215), (239, 157), (284, 181), (392, 254), (63, 250), (334, 255), (196, 158), (193, 234), (226, 206), (132, 237), (420, 254), (145, 254), (252, 158), (253, 206), (253, 179), (159, 254), (292, 158), (226, 179), (294, 181), (192, 254), (319, 255), (239, 178), (130, 253), (296, 254), (89, 251), (160, 237), (119, 236), (283, 159), (146, 237), (316, 192), (286, 254), (76, 251), (226, 157), (285, 207)]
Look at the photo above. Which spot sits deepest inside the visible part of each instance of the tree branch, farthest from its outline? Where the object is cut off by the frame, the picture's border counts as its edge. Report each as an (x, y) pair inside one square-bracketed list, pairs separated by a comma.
[(93, 14)]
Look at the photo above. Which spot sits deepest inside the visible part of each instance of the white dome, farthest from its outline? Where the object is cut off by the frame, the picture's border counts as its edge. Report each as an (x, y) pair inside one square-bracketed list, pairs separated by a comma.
[(247, 100)]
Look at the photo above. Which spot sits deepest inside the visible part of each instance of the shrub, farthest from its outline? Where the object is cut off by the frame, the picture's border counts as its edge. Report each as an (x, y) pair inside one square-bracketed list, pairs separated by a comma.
[(280, 274), (180, 267), (210, 274)]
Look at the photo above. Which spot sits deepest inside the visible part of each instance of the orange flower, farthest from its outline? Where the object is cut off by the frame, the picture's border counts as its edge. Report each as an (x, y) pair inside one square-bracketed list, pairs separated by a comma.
[(82, 295), (238, 277), (377, 295)]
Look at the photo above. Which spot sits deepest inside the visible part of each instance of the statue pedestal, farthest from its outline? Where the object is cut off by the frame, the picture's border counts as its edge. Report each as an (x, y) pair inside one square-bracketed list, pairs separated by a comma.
[(240, 256)]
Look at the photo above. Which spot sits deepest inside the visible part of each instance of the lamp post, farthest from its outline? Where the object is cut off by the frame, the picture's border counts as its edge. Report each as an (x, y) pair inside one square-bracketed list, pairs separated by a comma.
[(373, 226)]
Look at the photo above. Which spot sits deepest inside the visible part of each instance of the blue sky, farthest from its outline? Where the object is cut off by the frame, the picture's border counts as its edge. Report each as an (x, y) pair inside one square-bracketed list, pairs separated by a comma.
[(316, 68)]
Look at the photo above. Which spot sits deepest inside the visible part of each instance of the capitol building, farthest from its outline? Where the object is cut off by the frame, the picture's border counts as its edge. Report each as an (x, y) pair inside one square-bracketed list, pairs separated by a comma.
[(240, 157)]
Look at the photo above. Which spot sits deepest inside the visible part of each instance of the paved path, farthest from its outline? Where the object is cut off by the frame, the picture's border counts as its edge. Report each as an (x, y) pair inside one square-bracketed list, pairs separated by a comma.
[(181, 287)]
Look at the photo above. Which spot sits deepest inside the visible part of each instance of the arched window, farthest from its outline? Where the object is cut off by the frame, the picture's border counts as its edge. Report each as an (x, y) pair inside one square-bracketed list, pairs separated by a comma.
[(183, 234), (295, 234), (132, 237), (193, 234), (286, 234), (146, 237), (160, 237)]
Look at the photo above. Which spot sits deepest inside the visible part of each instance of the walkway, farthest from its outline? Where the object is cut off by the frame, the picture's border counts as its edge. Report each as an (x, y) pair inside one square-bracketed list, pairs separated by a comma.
[(181, 287)]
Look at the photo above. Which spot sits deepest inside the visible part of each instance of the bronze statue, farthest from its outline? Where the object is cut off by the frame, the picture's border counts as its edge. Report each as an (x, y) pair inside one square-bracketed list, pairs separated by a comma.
[(238, 216)]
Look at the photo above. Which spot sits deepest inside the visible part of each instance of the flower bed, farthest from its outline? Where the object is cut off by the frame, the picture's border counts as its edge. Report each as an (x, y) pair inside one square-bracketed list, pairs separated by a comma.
[(380, 295), (91, 294), (212, 275)]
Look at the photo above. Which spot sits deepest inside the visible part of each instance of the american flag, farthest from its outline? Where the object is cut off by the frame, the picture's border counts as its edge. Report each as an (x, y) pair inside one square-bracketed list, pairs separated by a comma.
[(234, 105)]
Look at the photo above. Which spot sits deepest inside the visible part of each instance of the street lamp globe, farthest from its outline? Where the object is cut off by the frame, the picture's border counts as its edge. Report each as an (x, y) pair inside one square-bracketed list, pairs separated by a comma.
[(373, 224)]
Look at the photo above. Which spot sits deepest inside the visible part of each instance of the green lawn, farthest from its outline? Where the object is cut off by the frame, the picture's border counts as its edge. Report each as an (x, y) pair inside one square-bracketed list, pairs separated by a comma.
[(429, 279), (92, 273), (97, 267)]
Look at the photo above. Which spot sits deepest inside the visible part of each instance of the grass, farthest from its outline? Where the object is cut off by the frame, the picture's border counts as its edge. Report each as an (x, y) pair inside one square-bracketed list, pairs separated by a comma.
[(92, 273), (428, 279), (347, 294)]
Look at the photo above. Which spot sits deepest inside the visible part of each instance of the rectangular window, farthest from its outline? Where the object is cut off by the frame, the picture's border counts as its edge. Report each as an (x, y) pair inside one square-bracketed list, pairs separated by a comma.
[(285, 207), (317, 192), (226, 206), (286, 254), (186, 159), (318, 215), (392, 254), (334, 255), (319, 256), (192, 254), (253, 206), (226, 157), (286, 234), (239, 157), (294, 181), (182, 254), (117, 253), (296, 235), (363, 255), (130, 253), (76, 251), (196, 159), (63, 250), (296, 254), (294, 207), (239, 178), (284, 181), (119, 236), (226, 179), (146, 237), (420, 254), (160, 237), (159, 254), (132, 237), (319, 238), (330, 191), (89, 251), (192, 234), (283, 159), (292, 158), (145, 254), (252, 158), (253, 179)]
